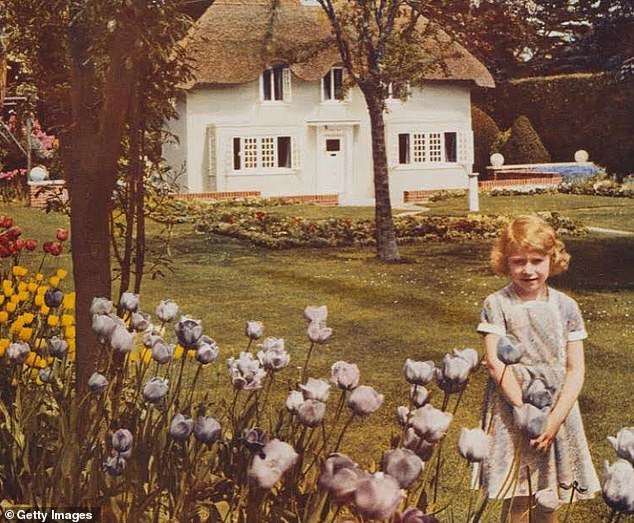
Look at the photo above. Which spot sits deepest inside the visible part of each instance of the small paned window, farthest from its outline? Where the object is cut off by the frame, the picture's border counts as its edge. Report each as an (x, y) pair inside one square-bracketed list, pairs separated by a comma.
[(273, 83), (333, 84), (264, 152)]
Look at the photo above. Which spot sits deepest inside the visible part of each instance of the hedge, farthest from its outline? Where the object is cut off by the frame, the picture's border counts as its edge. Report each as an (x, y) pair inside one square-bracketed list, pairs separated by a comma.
[(570, 112)]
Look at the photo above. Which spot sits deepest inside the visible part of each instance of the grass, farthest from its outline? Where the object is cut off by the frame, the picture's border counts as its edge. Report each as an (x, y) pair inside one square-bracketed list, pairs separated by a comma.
[(422, 308)]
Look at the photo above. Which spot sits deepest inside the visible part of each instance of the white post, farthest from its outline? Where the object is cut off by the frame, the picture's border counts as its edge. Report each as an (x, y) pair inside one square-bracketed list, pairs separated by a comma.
[(474, 203)]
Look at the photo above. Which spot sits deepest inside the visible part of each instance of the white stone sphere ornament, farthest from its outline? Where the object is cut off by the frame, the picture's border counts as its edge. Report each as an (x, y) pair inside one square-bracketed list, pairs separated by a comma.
[(39, 173), (581, 156), (497, 160)]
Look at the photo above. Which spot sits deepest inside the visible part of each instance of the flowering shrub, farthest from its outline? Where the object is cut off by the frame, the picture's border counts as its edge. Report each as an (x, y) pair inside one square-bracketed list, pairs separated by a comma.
[(599, 185), (13, 185), (277, 231)]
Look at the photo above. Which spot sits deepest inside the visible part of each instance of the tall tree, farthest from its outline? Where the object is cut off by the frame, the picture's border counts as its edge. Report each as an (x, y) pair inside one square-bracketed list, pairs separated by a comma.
[(368, 33), (88, 73)]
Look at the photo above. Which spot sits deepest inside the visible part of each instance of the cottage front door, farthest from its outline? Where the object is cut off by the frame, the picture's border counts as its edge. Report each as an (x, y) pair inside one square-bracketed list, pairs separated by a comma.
[(330, 178)]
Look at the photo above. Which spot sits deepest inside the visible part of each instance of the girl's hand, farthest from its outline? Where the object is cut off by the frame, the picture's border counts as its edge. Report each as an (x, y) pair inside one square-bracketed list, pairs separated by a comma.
[(546, 438)]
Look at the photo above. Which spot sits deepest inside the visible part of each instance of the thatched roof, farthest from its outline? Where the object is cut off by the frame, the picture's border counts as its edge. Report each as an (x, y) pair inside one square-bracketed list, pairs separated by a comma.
[(235, 40)]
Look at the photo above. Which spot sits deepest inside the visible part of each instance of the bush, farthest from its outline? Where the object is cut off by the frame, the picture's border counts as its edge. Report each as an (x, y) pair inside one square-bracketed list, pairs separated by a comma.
[(485, 131), (524, 144)]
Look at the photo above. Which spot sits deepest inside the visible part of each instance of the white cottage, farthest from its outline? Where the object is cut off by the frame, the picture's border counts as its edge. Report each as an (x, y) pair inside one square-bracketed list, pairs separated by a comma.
[(266, 112)]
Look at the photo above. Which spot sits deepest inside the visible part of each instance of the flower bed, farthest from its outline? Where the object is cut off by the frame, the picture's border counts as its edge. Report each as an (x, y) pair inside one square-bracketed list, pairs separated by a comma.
[(596, 186), (279, 232)]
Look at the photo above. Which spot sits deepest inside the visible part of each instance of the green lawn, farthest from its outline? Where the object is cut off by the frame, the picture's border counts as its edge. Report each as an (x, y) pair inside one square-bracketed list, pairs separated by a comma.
[(422, 308)]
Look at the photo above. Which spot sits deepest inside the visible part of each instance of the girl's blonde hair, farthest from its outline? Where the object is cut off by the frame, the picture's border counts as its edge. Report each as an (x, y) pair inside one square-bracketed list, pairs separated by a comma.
[(531, 233)]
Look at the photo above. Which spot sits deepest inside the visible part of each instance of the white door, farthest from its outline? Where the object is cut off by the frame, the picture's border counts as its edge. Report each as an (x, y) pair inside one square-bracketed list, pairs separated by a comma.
[(332, 163)]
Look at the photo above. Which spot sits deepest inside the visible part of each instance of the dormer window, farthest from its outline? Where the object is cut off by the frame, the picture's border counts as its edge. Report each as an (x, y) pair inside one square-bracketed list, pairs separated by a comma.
[(398, 91), (276, 84), (332, 85)]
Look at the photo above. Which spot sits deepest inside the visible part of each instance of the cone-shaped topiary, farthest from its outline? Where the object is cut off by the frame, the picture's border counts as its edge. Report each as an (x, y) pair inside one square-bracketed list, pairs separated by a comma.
[(524, 145), (485, 131)]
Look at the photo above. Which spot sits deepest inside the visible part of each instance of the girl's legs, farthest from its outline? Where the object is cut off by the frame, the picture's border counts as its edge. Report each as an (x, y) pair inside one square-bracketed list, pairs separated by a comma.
[(515, 510)]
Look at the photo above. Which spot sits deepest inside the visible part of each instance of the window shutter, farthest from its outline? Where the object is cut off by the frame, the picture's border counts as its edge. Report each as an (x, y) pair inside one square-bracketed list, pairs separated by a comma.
[(211, 155), (465, 147), (392, 149), (286, 84), (228, 155), (295, 153)]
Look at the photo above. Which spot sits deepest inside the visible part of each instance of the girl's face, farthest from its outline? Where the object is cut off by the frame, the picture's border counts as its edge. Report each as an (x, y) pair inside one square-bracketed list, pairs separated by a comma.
[(529, 271)]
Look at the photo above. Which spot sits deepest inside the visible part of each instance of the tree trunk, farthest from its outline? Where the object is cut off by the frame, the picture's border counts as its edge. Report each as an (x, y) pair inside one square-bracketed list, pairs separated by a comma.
[(386, 248), (90, 212)]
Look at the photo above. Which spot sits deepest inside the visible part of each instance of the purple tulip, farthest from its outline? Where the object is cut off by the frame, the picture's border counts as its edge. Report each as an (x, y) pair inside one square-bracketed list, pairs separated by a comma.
[(364, 400), (624, 443), (339, 476), (253, 329), (344, 375), (418, 372), (377, 496), (430, 423), (403, 465), (269, 466), (473, 444)]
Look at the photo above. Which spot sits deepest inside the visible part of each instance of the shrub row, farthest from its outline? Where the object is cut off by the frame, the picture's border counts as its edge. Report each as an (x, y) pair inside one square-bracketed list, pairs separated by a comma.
[(571, 112)]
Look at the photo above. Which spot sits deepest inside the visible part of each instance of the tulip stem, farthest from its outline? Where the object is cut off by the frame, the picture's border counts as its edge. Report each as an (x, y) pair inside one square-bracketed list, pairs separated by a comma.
[(573, 489), (305, 368), (193, 384), (437, 477), (343, 431)]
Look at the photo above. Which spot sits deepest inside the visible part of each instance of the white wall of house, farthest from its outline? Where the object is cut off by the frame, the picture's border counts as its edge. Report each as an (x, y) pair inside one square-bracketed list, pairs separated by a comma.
[(330, 141)]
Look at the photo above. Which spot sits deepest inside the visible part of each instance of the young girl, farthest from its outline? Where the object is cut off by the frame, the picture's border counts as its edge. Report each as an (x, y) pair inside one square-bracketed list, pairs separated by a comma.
[(546, 328)]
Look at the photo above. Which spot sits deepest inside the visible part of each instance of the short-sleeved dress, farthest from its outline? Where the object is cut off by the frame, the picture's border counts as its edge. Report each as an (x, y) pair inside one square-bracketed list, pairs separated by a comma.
[(541, 330)]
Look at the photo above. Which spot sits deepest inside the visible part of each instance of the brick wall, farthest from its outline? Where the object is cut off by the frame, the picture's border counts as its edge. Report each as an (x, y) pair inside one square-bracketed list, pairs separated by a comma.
[(40, 193), (519, 182), (418, 196), (324, 200)]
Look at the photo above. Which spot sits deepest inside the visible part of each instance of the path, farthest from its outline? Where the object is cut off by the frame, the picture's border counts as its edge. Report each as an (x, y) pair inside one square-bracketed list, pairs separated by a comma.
[(612, 232)]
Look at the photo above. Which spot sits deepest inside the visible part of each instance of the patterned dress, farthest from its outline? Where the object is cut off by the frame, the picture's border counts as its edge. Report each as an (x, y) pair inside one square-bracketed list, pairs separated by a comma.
[(541, 330)]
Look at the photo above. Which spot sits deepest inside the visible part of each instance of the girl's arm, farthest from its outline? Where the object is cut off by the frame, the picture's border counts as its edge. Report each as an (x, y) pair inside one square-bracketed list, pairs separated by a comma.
[(508, 383), (573, 382)]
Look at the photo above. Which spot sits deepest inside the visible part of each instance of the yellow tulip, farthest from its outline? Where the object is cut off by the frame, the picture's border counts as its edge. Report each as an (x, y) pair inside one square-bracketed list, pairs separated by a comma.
[(147, 356), (39, 300), (28, 318), (19, 271), (31, 358), (178, 352), (15, 327), (44, 310), (53, 281), (25, 333), (4, 343), (61, 273), (69, 300), (1, 299), (23, 296), (31, 287), (4, 316), (53, 320), (41, 290), (68, 320), (7, 287), (39, 344), (22, 286), (10, 307), (71, 346), (69, 332), (15, 298), (39, 276)]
